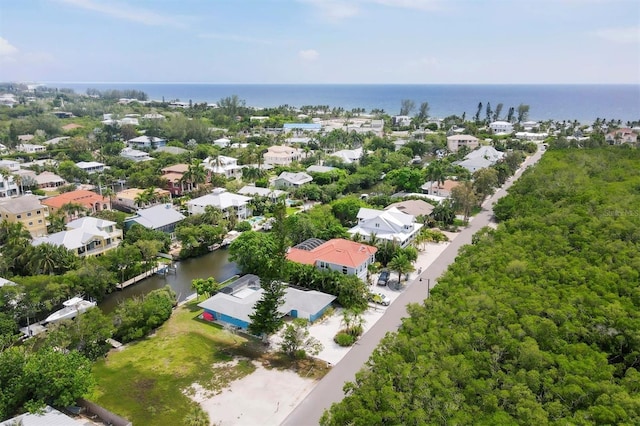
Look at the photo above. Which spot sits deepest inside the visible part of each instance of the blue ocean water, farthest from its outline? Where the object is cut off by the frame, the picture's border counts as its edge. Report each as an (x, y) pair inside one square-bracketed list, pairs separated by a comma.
[(584, 103)]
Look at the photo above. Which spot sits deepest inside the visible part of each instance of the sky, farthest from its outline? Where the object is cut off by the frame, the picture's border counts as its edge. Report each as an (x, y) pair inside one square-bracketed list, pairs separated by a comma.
[(321, 41)]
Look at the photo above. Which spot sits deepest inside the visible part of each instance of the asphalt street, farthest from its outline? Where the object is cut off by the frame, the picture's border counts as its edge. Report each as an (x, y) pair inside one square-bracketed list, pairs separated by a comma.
[(329, 389)]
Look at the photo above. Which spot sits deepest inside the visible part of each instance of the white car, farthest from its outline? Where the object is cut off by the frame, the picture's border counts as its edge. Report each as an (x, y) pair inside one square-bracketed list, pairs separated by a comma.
[(380, 299)]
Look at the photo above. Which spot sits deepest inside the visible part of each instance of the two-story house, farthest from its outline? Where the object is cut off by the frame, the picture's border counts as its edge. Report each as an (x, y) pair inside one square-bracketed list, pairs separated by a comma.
[(455, 142), (27, 210), (87, 236), (338, 254), (91, 166), (91, 201), (223, 165), (292, 180), (279, 155), (219, 198), (391, 225)]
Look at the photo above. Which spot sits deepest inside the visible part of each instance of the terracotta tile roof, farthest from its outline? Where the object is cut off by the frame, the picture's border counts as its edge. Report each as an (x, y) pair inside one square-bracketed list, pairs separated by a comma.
[(86, 198), (337, 251), (176, 168)]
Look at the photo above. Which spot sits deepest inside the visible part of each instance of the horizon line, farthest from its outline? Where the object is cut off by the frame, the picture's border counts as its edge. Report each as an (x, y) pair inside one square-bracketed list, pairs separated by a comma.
[(323, 84)]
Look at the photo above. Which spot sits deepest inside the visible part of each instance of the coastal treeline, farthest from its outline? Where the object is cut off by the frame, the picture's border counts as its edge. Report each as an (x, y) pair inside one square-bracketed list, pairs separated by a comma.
[(535, 323)]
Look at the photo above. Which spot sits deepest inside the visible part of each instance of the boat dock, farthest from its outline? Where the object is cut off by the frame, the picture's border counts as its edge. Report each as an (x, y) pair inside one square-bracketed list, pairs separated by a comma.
[(159, 269)]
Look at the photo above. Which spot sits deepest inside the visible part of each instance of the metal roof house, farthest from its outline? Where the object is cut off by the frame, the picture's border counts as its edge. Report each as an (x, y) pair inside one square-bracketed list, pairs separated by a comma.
[(235, 302), (162, 217)]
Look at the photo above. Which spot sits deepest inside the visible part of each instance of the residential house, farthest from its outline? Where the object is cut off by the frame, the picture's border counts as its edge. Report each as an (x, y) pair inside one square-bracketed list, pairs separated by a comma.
[(391, 225), (149, 142), (91, 166), (454, 142), (234, 304), (27, 210), (501, 127), (89, 200), (222, 143), (10, 165), (291, 180), (414, 208), (162, 217), (130, 199), (348, 156), (48, 416), (256, 191), (279, 155), (223, 165), (620, 136), (174, 182), (441, 189), (219, 198), (30, 148), (49, 180), (86, 236), (531, 136), (338, 254), (401, 121), (301, 128), (8, 186), (483, 157), (135, 155), (25, 138)]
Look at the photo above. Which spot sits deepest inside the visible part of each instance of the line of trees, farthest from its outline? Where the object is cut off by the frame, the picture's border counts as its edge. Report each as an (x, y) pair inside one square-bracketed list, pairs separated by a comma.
[(535, 323)]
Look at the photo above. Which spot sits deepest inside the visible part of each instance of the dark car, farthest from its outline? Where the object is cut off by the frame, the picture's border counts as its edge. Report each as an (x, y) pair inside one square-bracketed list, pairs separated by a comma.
[(383, 278)]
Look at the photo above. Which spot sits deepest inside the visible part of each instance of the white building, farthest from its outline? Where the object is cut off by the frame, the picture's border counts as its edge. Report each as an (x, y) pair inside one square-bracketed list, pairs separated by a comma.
[(501, 127), (228, 202), (291, 180), (146, 142), (30, 148), (348, 156), (481, 158), (530, 136), (223, 165), (87, 236), (256, 191), (135, 155), (8, 187), (391, 225), (91, 166), (222, 143)]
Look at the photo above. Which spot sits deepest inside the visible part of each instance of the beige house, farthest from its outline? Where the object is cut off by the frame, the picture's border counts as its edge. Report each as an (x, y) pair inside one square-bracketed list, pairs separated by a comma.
[(87, 236), (279, 155), (130, 198), (454, 142), (28, 211)]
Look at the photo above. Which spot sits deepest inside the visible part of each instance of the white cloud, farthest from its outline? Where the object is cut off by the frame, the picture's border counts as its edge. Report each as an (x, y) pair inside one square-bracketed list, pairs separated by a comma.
[(308, 55), (235, 38), (409, 4), (127, 12), (335, 9), (620, 35), (6, 48)]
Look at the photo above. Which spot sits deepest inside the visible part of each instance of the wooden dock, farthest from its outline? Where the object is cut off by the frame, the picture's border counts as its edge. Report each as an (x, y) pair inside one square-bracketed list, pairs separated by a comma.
[(161, 268)]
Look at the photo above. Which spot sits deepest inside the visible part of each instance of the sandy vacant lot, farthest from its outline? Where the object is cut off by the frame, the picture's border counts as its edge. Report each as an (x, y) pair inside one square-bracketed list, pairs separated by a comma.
[(268, 396), (265, 397)]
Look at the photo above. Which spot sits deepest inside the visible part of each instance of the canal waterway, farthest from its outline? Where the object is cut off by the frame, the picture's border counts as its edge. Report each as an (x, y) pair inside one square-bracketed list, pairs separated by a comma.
[(215, 264)]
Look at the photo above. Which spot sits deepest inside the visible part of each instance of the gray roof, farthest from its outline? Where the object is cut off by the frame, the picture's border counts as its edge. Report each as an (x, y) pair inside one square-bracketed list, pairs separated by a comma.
[(157, 216), (319, 169), (50, 417), (299, 177), (172, 150), (237, 303), (262, 192), (23, 204)]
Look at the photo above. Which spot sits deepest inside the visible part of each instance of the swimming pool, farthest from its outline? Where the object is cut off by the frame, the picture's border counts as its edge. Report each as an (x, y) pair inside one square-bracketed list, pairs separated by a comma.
[(255, 220)]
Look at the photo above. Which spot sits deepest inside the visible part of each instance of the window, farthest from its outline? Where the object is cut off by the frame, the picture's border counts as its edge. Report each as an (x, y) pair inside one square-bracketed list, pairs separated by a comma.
[(377, 225), (30, 223), (37, 211), (29, 214), (39, 220), (344, 270), (19, 216)]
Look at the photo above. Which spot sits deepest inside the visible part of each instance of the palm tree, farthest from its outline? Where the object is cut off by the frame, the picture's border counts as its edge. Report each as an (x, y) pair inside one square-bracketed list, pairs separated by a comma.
[(195, 174), (401, 264), (435, 173), (73, 210)]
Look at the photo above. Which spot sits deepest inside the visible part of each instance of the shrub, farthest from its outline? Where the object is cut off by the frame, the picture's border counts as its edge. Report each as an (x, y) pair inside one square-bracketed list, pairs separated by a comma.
[(344, 339), (243, 226)]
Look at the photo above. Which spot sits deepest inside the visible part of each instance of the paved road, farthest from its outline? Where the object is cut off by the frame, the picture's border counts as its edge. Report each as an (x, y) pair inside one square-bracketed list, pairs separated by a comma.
[(329, 389)]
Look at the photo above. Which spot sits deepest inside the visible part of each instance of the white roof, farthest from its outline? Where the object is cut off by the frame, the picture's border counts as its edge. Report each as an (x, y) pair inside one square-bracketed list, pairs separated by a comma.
[(89, 164), (296, 178), (49, 417), (348, 155), (262, 192), (486, 152), (145, 139), (220, 198), (391, 224), (80, 232)]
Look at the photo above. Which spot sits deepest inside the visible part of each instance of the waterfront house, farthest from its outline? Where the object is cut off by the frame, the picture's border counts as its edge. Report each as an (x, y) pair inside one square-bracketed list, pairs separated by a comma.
[(219, 198), (87, 236), (162, 217), (455, 142), (391, 225), (292, 180), (88, 199), (27, 210), (236, 302), (345, 256)]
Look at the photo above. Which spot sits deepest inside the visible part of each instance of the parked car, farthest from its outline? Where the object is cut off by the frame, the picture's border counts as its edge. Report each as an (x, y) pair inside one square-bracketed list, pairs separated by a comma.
[(380, 299), (383, 277)]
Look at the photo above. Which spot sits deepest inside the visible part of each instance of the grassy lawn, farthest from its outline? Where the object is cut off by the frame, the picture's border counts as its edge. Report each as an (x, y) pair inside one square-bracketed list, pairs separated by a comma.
[(145, 381)]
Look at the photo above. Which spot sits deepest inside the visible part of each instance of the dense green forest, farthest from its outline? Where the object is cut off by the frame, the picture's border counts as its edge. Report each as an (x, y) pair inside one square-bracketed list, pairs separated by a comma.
[(537, 322)]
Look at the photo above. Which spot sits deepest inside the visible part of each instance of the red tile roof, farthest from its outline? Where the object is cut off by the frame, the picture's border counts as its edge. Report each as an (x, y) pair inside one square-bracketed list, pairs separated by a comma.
[(337, 251), (86, 198)]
